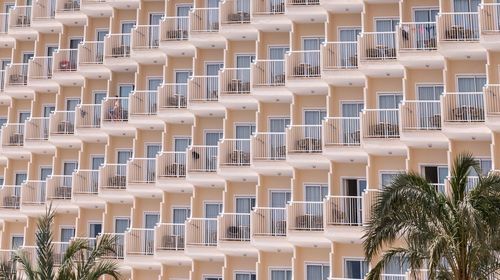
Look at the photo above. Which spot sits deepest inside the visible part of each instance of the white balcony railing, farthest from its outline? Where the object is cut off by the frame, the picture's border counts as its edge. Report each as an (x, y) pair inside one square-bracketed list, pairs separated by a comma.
[(16, 74), (204, 20), (43, 10), (145, 37), (59, 187), (115, 109), (174, 29), (421, 115), (463, 107), (344, 210), (62, 123), (169, 236), (302, 2), (202, 158), (13, 135), (489, 14), (303, 64), (234, 81), (119, 245), (380, 123), (234, 226), (88, 116), (86, 182), (171, 165), (370, 197), (139, 241), (68, 6), (235, 11), (10, 197), (234, 152), (417, 36), (339, 55), (458, 26), (40, 68), (269, 146), (268, 73), (268, 7), (268, 221), (113, 176), (342, 131), (304, 139), (203, 88), (33, 193), (20, 17), (377, 46), (305, 215), (59, 250), (37, 129), (172, 96), (91, 52), (201, 232), (492, 99), (143, 102), (141, 170), (117, 45), (65, 60)]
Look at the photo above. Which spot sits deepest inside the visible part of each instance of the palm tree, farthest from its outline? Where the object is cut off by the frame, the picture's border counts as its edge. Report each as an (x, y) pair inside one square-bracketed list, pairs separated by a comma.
[(453, 236), (80, 260)]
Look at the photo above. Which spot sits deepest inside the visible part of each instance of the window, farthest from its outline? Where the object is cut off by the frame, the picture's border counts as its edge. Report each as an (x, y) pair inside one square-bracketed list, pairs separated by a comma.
[(245, 276), (212, 278), (3, 120), (316, 192), (1, 181), (94, 229), (67, 234), (386, 38), (471, 83), (281, 274), (485, 164), (386, 178), (355, 269), (396, 265), (16, 242), (121, 225), (436, 175), (466, 5), (317, 272)]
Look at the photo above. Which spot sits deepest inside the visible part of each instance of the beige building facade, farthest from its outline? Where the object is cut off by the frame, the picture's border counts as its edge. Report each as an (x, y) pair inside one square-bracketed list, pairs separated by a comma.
[(236, 139)]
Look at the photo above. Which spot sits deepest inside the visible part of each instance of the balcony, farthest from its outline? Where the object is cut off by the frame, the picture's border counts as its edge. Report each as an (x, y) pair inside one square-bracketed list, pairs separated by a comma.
[(235, 20), (269, 228), (492, 102), (269, 14), (59, 192), (268, 80), (10, 197), (36, 136), (204, 28), (380, 131), (378, 55), (96, 8), (119, 246), (172, 103), (141, 176), (234, 233), (341, 139), (234, 155), (421, 122), (85, 187), (489, 24), (43, 17), (305, 222), (302, 68), (13, 140), (171, 172), (203, 94), (235, 88), (20, 23), (139, 242), (268, 153), (339, 63), (170, 243), (115, 116), (202, 165), (33, 197), (62, 129), (16, 81), (305, 11), (40, 74), (145, 44), (201, 238), (417, 44), (117, 49), (91, 59), (304, 145), (5, 39), (370, 197), (69, 12), (6, 256), (113, 182), (143, 109), (463, 115), (88, 122), (454, 28), (174, 36), (344, 218), (65, 67)]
